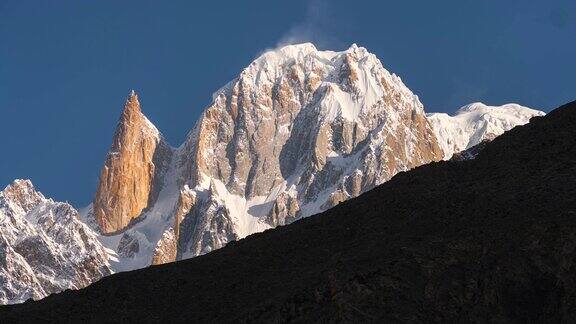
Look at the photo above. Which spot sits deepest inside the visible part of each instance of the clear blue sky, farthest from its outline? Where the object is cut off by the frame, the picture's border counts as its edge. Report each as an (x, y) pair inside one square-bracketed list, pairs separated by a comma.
[(67, 66)]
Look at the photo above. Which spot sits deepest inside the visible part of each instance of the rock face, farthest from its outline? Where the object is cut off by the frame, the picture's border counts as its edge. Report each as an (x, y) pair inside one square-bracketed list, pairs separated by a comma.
[(44, 246), (475, 123), (132, 174), (167, 248)]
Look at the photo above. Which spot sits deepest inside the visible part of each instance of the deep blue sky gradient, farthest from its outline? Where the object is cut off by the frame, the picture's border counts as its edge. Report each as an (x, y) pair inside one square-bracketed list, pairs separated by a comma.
[(67, 66)]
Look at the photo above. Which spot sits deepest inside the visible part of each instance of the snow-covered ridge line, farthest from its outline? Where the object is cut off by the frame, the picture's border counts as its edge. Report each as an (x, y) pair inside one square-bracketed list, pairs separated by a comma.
[(475, 122)]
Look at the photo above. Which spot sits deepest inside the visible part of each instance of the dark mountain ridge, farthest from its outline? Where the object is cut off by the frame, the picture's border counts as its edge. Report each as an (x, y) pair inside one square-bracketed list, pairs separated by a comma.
[(490, 239)]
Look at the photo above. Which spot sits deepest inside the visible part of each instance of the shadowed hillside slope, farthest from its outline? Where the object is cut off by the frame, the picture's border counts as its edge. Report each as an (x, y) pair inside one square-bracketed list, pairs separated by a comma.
[(491, 239)]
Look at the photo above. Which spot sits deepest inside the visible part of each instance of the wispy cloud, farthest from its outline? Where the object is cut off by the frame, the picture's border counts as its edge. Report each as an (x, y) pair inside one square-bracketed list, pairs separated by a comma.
[(317, 28)]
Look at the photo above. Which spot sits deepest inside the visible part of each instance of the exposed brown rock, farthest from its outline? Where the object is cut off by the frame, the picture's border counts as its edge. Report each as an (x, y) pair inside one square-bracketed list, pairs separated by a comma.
[(23, 194), (284, 211), (128, 179), (335, 198), (354, 184), (167, 247)]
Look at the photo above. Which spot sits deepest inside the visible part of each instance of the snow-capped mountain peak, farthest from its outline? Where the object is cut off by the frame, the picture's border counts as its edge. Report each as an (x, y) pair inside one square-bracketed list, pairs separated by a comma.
[(476, 122), (44, 247), (298, 131), (22, 195)]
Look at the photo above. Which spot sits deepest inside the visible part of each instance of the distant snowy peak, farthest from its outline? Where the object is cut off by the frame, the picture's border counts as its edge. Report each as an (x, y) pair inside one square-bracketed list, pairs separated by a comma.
[(22, 195), (475, 123), (44, 247), (348, 83), (510, 109)]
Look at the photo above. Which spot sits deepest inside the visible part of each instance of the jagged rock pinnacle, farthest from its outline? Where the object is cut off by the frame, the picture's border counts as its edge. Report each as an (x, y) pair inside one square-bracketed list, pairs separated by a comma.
[(127, 180), (132, 104)]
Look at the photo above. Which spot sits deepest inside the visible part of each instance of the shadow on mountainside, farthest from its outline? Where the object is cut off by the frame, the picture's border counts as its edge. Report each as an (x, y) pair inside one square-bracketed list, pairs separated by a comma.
[(491, 239)]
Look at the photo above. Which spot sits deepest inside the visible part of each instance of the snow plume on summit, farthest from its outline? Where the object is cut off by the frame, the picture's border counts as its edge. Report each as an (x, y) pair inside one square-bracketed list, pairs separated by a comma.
[(313, 28)]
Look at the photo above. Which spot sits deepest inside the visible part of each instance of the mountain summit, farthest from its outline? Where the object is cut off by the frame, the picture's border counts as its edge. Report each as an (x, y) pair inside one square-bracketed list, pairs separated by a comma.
[(129, 179), (297, 132)]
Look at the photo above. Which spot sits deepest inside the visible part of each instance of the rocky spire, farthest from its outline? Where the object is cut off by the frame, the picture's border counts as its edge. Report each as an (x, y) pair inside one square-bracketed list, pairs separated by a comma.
[(132, 103), (127, 182)]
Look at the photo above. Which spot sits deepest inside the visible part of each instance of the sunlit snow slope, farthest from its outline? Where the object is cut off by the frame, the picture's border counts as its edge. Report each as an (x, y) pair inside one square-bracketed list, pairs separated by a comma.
[(476, 122)]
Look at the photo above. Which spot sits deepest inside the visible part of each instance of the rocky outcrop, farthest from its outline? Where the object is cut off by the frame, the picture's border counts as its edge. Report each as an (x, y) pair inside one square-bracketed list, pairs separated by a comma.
[(44, 246), (284, 211), (166, 249), (128, 246), (208, 226), (132, 174), (471, 153)]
